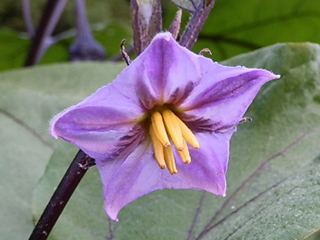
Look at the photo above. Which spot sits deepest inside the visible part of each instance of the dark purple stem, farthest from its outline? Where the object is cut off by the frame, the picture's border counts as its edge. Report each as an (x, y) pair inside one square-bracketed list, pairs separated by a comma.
[(83, 29), (42, 37), (190, 35), (27, 17), (85, 47), (61, 196)]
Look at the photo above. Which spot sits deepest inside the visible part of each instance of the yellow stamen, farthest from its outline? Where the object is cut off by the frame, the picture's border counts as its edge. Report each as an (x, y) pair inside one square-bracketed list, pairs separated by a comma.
[(157, 148), (169, 158), (159, 129), (188, 135), (185, 155), (173, 129), (164, 124)]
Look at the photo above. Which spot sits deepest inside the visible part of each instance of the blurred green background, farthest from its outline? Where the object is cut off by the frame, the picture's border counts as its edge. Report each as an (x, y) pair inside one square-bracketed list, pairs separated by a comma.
[(233, 27)]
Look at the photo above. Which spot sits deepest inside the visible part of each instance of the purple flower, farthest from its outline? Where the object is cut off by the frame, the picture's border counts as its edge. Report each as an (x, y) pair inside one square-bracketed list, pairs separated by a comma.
[(165, 122)]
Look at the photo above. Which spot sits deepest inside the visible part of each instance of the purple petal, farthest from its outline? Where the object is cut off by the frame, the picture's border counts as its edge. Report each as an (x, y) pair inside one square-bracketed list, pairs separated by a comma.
[(208, 167), (223, 95), (107, 125), (125, 180), (165, 72), (102, 124), (101, 121)]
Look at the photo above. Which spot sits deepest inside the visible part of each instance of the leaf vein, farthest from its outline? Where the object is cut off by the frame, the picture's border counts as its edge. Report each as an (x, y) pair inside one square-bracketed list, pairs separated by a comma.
[(27, 127), (212, 222)]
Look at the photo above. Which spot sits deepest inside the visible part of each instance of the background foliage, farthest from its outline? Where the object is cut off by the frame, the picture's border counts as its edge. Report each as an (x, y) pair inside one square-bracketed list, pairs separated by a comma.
[(273, 178), (233, 26)]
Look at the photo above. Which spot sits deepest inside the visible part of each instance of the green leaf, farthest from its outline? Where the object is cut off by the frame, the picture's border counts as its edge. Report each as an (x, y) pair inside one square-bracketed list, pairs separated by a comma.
[(109, 21), (273, 179), (13, 50), (28, 100), (85, 209), (235, 27)]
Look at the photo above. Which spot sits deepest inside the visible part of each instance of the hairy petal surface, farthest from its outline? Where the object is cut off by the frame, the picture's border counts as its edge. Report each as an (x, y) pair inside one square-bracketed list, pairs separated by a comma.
[(165, 72), (102, 124), (112, 124), (125, 180), (223, 95), (208, 167)]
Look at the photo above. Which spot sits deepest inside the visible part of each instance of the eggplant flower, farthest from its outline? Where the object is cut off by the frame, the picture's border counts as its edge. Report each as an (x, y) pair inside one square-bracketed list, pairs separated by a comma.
[(165, 122)]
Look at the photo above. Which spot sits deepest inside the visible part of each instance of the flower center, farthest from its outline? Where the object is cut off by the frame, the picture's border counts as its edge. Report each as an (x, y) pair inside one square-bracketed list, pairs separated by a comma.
[(166, 126)]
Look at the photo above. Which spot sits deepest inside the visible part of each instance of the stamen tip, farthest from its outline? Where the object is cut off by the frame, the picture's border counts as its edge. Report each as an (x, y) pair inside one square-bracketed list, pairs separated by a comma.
[(174, 172), (187, 161), (162, 166)]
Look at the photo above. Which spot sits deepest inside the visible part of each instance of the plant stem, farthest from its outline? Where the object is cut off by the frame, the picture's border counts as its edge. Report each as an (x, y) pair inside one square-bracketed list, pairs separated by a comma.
[(190, 35), (61, 196), (27, 17), (146, 22), (42, 38), (85, 48)]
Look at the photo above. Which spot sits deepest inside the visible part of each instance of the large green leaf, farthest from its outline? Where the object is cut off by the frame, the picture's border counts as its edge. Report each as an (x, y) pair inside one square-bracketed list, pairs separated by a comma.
[(28, 100), (273, 179), (235, 27)]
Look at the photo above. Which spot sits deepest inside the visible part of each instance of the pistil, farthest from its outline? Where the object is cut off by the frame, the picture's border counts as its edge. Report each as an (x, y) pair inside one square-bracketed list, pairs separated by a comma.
[(166, 126)]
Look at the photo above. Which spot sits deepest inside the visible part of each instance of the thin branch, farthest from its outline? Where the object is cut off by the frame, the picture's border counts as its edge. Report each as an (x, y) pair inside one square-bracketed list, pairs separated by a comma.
[(175, 25), (61, 196), (73, 32), (83, 29), (42, 39), (63, 35), (27, 17), (124, 54), (146, 22), (119, 57), (85, 47), (190, 35)]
